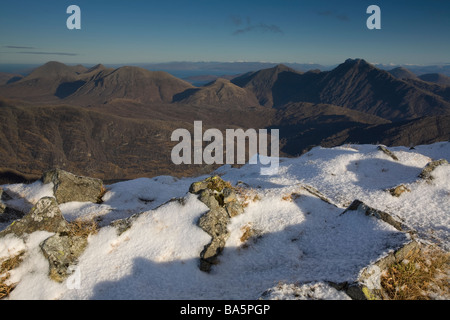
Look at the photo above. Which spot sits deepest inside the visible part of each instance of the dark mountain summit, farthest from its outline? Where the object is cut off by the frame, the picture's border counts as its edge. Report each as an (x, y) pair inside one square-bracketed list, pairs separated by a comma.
[(220, 92), (355, 84)]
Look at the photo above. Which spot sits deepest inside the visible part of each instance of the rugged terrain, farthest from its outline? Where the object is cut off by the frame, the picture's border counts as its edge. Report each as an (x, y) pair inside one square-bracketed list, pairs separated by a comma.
[(116, 124), (328, 225)]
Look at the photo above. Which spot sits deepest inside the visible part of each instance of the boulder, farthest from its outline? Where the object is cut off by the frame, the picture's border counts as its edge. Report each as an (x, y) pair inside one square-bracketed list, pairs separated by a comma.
[(44, 216), (68, 187), (62, 252)]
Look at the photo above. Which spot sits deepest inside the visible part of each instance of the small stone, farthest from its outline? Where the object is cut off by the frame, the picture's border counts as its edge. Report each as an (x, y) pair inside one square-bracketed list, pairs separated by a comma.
[(397, 191)]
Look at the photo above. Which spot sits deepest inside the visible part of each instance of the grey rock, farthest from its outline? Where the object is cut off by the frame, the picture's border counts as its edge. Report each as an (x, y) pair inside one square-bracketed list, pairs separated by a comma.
[(123, 225), (359, 206), (69, 187), (44, 216), (62, 251), (229, 195), (316, 193), (234, 208), (211, 198), (430, 167), (223, 204), (215, 222), (196, 187)]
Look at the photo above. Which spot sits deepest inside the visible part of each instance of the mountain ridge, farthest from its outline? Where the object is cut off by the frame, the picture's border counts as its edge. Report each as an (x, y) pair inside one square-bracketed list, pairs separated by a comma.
[(354, 101)]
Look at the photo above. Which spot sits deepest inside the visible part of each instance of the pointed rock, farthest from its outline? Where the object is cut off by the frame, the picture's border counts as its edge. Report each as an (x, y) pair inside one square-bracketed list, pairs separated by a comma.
[(62, 252), (68, 187)]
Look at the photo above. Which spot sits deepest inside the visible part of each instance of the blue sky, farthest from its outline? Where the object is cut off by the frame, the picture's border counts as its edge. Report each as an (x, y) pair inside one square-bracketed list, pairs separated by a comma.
[(138, 31)]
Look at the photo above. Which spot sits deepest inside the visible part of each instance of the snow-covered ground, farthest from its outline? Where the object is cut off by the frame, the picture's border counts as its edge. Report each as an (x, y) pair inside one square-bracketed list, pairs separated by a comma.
[(298, 238)]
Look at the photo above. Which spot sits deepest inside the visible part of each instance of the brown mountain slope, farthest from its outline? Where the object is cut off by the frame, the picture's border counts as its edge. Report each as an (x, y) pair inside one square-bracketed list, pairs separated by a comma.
[(129, 83), (220, 92), (36, 138), (410, 133), (41, 84), (55, 81), (303, 125), (6, 78), (106, 141), (262, 83), (116, 123), (360, 86)]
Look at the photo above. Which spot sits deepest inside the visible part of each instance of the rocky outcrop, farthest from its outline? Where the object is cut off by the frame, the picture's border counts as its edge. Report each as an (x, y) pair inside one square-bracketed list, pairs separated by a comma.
[(68, 187), (63, 248), (361, 207), (44, 216), (430, 167), (221, 199)]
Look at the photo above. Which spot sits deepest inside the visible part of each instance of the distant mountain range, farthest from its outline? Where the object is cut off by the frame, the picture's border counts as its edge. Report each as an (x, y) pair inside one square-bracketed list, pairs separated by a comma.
[(115, 123)]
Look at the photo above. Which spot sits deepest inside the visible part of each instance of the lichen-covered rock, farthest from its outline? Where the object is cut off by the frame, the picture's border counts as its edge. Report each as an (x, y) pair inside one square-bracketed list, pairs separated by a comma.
[(223, 204), (196, 187), (429, 168), (44, 216), (62, 251), (68, 187)]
